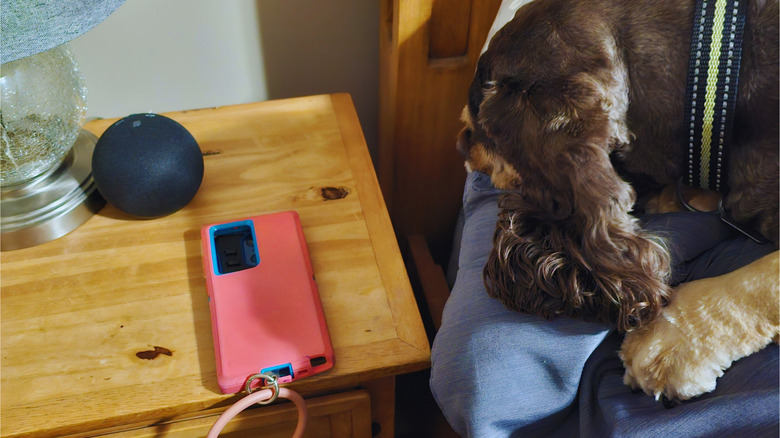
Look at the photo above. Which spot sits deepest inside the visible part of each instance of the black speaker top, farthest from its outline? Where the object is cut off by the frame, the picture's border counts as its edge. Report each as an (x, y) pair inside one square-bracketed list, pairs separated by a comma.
[(147, 165)]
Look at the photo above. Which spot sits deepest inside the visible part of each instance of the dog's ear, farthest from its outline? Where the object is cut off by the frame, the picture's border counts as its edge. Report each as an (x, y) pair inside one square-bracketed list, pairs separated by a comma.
[(565, 243), (550, 132), (590, 268)]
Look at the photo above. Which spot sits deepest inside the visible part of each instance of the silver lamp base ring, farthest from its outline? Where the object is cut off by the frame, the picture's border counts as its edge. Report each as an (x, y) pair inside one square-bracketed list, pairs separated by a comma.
[(51, 205)]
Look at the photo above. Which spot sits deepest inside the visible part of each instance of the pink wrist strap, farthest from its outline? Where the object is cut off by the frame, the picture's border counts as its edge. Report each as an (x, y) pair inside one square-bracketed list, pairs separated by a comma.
[(258, 396)]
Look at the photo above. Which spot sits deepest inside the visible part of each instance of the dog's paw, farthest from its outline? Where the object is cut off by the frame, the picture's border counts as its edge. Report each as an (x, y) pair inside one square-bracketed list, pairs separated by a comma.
[(663, 363), (709, 324)]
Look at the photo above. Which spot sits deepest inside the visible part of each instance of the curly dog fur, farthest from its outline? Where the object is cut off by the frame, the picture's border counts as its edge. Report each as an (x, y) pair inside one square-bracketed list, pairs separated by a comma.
[(577, 109)]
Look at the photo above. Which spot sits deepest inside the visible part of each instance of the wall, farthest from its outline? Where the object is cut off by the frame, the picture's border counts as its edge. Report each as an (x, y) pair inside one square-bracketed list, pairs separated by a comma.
[(165, 55)]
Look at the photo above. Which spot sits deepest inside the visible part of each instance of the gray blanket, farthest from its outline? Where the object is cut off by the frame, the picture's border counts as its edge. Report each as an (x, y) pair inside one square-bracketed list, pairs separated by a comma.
[(497, 373)]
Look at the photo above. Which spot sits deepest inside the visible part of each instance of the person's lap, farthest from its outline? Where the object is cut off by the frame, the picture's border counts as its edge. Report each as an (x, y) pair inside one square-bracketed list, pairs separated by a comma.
[(496, 372)]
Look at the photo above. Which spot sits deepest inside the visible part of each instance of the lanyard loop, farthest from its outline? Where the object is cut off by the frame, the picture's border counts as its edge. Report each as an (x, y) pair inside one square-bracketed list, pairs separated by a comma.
[(264, 395)]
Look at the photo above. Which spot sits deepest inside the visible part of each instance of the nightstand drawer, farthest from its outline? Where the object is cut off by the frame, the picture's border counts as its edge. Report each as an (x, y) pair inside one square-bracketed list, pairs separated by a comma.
[(339, 415)]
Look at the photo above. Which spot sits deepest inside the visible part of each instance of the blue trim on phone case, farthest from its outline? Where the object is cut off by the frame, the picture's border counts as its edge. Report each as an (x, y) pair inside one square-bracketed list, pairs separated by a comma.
[(216, 231), (280, 371)]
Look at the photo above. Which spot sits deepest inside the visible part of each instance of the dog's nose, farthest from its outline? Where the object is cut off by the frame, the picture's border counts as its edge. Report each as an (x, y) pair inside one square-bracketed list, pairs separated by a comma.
[(463, 144)]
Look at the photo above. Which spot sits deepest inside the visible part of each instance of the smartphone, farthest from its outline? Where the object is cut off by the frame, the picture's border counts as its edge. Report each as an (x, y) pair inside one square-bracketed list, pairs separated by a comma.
[(266, 314)]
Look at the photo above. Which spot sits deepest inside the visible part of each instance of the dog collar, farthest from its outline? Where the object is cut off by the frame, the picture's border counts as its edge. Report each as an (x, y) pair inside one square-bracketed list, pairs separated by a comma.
[(713, 75)]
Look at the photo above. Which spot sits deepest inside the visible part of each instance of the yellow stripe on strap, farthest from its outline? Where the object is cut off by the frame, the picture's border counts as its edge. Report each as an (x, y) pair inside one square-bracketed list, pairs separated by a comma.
[(712, 85)]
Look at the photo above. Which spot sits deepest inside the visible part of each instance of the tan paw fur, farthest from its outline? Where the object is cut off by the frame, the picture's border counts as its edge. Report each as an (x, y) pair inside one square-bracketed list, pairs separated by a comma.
[(709, 324)]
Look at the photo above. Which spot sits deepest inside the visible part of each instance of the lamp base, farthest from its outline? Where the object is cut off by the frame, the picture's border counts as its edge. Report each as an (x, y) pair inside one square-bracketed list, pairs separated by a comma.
[(52, 204)]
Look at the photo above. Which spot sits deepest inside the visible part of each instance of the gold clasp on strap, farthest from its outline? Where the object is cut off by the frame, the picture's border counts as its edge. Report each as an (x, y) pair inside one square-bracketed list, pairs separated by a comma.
[(271, 383)]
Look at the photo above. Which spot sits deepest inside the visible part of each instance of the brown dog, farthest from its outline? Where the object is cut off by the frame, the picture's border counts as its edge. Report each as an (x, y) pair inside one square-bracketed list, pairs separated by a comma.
[(577, 107)]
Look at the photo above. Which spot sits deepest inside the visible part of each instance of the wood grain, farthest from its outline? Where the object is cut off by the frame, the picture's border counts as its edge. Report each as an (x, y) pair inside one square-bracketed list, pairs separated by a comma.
[(421, 97), (342, 415), (77, 310)]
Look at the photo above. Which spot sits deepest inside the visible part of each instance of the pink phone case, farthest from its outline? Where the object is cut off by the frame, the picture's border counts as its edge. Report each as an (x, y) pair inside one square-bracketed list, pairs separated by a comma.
[(266, 314)]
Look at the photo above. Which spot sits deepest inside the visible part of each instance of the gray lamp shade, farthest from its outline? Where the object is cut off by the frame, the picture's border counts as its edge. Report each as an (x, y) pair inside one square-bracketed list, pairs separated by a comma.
[(28, 27)]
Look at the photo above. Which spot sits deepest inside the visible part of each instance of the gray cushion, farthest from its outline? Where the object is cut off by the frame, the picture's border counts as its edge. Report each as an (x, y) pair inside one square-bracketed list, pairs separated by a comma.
[(499, 373)]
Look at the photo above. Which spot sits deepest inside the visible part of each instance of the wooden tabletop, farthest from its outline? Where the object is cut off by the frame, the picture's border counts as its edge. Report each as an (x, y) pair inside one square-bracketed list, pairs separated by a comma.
[(81, 314)]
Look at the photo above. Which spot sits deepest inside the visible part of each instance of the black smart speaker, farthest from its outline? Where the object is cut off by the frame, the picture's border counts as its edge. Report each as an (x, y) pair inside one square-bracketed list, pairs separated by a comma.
[(147, 165)]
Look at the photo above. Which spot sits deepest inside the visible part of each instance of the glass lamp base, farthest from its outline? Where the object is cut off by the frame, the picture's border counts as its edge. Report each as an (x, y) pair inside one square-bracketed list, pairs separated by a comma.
[(52, 204)]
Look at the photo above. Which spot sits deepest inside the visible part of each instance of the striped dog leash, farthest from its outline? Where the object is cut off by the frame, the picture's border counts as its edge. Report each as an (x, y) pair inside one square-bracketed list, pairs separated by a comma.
[(713, 76)]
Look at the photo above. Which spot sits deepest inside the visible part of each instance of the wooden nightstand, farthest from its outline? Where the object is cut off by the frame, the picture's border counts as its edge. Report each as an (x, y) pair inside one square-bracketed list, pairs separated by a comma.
[(77, 311)]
